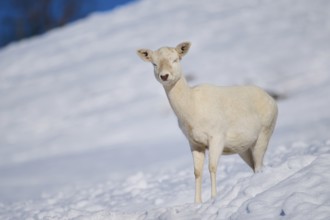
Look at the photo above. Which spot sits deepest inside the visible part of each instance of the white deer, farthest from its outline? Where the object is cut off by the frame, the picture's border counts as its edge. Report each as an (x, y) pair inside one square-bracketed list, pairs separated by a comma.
[(224, 120)]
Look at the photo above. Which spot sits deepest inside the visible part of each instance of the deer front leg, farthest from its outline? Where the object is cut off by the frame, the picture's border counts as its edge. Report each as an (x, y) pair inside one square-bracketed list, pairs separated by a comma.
[(215, 150), (198, 157)]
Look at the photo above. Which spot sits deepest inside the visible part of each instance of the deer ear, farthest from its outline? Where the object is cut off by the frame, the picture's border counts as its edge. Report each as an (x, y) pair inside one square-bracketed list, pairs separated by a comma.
[(183, 48), (145, 54)]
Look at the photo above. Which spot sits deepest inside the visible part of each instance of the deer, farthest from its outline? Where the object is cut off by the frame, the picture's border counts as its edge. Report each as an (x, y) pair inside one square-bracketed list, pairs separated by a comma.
[(222, 120)]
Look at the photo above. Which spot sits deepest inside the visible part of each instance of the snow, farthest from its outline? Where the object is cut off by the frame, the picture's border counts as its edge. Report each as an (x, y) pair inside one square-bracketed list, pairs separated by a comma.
[(86, 132)]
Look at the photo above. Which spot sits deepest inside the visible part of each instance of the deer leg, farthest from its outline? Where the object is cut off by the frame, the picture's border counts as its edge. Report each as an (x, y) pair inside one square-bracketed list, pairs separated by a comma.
[(259, 149), (198, 157), (215, 150), (247, 157)]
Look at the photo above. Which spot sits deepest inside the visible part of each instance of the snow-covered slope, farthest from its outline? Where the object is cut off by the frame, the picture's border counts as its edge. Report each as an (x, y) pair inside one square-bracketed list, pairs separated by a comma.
[(86, 132)]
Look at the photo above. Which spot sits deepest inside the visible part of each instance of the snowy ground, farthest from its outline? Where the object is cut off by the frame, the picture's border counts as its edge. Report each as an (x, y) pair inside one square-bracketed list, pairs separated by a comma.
[(86, 132)]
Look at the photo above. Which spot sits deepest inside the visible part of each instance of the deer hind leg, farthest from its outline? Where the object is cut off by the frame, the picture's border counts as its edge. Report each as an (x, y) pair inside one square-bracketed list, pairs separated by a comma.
[(198, 157), (247, 157), (259, 149)]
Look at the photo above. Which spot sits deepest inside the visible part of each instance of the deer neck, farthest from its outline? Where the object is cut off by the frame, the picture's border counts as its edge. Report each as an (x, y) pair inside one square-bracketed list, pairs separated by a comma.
[(179, 96)]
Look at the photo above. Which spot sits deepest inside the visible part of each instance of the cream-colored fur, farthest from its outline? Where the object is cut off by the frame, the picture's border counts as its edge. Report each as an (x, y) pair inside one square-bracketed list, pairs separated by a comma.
[(224, 120)]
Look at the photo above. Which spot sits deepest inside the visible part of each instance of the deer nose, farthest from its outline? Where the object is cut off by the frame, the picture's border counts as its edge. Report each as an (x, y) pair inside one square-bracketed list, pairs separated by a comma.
[(164, 77)]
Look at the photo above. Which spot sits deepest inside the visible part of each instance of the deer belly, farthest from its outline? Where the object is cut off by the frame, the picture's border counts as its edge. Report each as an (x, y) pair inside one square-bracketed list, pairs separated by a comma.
[(239, 141)]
